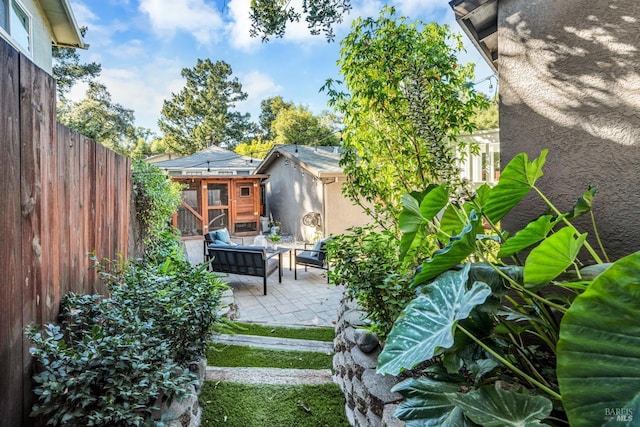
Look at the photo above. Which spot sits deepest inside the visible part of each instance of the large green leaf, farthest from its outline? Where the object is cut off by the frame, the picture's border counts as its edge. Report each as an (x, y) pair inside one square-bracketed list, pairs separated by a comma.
[(425, 404), (433, 202), (599, 348), (534, 232), (418, 209), (492, 407), (551, 257), (410, 217), (428, 322), (458, 249), (516, 180)]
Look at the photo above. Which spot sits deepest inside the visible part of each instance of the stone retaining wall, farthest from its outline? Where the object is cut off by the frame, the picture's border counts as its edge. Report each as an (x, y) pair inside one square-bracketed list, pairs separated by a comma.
[(369, 400)]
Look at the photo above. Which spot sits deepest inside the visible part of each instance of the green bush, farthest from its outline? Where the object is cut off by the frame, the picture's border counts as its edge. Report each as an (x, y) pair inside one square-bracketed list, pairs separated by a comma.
[(114, 360), (366, 263), (156, 198)]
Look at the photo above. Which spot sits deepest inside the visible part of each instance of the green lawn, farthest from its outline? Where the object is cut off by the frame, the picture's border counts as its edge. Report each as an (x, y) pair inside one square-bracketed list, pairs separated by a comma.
[(306, 333), (240, 356), (247, 405)]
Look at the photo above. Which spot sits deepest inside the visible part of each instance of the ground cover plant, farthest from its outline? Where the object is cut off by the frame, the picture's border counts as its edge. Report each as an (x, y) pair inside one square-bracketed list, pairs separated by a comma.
[(533, 328), (114, 360), (249, 405), (242, 356), (304, 333)]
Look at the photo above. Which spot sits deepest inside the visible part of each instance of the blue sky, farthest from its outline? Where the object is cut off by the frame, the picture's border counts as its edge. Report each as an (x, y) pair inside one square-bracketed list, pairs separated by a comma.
[(144, 44)]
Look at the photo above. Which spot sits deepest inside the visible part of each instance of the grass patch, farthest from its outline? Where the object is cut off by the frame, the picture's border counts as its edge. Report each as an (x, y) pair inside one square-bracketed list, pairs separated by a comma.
[(309, 333), (250, 405), (224, 355)]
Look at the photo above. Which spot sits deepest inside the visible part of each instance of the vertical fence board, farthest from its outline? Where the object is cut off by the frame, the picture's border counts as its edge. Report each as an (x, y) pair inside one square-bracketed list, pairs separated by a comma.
[(63, 196), (11, 358), (37, 120)]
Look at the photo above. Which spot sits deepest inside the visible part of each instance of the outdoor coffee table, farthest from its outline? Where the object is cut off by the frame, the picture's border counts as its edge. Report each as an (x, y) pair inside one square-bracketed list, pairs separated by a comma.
[(280, 251)]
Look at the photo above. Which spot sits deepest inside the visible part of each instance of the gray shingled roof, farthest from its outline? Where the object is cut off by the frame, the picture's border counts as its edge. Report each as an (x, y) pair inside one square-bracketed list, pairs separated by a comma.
[(217, 158), (320, 160)]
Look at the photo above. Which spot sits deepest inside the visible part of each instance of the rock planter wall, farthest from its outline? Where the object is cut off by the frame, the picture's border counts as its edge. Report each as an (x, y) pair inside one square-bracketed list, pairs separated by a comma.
[(185, 412), (369, 400)]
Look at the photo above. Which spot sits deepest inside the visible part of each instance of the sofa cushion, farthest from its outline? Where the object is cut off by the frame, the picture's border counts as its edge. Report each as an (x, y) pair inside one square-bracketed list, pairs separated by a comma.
[(223, 234)]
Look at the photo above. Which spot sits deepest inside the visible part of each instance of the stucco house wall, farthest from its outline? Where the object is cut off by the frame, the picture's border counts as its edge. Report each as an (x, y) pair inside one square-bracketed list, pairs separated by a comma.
[(290, 195), (340, 212), (308, 180), (569, 76)]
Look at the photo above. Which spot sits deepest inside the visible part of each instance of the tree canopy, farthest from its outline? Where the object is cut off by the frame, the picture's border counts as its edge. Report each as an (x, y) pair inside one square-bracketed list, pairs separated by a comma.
[(299, 126), (270, 108), (269, 18), (405, 98), (67, 69), (203, 111), (99, 118)]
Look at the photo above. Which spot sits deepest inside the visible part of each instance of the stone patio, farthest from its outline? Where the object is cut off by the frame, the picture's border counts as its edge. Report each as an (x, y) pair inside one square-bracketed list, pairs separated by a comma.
[(308, 301)]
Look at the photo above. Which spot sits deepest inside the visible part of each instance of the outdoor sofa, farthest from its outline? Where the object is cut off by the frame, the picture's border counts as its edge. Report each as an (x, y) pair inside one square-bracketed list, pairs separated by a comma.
[(226, 257)]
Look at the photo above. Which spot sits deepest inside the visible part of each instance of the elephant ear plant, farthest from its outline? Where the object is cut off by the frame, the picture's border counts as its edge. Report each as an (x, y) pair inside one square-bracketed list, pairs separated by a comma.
[(544, 341)]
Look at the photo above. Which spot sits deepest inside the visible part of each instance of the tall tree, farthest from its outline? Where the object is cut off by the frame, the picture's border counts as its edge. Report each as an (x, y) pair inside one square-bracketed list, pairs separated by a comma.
[(270, 17), (202, 112), (99, 118), (68, 70), (270, 108), (299, 126), (407, 98)]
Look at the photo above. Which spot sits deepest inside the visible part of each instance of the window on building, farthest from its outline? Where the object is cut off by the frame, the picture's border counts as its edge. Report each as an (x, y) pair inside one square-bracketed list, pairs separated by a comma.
[(15, 21)]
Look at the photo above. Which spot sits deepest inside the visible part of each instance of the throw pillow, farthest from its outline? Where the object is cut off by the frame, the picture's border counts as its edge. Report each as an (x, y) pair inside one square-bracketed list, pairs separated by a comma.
[(223, 234)]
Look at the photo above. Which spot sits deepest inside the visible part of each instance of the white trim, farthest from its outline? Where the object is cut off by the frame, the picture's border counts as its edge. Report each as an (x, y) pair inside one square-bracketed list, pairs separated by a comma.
[(7, 33)]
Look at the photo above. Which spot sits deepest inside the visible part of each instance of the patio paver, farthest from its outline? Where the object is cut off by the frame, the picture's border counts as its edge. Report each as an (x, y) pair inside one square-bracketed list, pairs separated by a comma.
[(308, 301)]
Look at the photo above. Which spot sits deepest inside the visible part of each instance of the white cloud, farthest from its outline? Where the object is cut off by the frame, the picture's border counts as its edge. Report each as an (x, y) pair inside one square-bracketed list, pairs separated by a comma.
[(83, 14), (196, 17), (258, 86), (238, 28)]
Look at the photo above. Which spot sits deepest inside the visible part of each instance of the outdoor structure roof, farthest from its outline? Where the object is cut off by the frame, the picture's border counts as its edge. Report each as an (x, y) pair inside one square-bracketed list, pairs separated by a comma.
[(479, 19), (322, 161), (211, 158), (64, 28)]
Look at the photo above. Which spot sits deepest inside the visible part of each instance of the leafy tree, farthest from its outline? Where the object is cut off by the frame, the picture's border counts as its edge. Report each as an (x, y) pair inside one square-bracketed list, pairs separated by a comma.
[(299, 126), (270, 108), (407, 98), (487, 118), (270, 17), (257, 148), (68, 70), (99, 118), (203, 110)]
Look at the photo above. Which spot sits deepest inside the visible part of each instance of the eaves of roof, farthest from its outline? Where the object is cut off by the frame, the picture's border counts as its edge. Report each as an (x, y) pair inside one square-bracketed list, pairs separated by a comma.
[(479, 20), (64, 28), (316, 161)]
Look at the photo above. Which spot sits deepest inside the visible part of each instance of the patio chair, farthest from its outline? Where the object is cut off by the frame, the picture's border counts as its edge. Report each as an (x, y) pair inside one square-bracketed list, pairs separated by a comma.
[(314, 257)]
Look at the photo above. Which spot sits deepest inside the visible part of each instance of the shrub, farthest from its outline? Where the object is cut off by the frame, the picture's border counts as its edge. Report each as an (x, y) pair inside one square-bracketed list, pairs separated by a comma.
[(366, 263), (156, 198), (114, 360)]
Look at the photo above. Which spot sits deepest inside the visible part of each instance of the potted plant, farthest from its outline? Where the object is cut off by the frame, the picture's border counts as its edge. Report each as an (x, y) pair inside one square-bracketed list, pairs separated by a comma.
[(274, 239)]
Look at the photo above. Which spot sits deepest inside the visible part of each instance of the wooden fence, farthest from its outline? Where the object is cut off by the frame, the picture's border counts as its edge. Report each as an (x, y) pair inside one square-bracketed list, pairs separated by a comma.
[(62, 196)]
